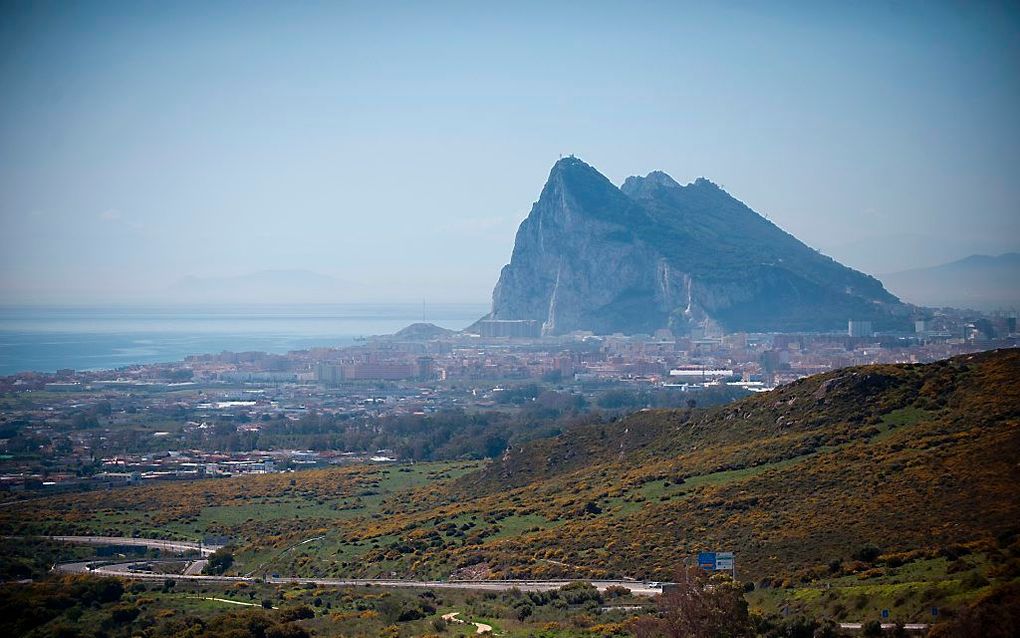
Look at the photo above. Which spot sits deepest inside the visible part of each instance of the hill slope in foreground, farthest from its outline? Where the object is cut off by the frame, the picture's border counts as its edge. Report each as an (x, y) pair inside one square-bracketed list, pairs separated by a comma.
[(842, 474)]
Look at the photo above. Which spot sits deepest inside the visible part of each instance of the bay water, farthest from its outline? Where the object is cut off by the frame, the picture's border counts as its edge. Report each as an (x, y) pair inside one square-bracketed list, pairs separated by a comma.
[(48, 338)]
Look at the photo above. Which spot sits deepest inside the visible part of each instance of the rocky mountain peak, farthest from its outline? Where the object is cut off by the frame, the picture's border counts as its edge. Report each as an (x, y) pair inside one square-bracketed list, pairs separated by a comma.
[(637, 186), (654, 254), (575, 187), (704, 182), (570, 173)]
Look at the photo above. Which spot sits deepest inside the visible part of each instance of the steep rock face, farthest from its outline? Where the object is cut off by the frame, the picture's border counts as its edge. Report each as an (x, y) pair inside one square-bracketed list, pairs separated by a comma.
[(578, 263), (655, 254)]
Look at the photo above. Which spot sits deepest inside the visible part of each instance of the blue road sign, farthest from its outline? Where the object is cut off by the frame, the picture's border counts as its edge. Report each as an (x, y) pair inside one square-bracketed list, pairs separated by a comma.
[(715, 561), (706, 561), (934, 611), (885, 613)]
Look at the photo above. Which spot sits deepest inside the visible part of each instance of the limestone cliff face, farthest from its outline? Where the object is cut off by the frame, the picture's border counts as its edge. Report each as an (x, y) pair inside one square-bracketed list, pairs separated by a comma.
[(654, 254)]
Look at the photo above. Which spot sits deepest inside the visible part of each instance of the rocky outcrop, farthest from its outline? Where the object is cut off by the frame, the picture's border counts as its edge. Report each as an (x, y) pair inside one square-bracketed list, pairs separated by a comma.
[(655, 254), (421, 332)]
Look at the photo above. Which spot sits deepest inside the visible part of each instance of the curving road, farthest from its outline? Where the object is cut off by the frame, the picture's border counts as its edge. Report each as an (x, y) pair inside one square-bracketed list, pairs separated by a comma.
[(151, 543), (121, 570)]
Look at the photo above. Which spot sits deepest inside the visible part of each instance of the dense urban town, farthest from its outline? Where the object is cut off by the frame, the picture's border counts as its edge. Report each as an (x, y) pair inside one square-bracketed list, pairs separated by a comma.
[(232, 413)]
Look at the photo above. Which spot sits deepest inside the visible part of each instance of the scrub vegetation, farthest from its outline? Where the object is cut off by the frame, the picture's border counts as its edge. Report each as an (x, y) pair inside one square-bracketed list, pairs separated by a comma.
[(881, 487)]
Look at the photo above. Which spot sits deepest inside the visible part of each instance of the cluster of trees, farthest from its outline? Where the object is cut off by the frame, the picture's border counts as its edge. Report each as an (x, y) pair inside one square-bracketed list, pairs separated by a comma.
[(538, 411), (698, 607), (248, 623), (996, 614), (624, 399), (449, 434), (21, 440), (26, 607), (219, 561), (72, 606)]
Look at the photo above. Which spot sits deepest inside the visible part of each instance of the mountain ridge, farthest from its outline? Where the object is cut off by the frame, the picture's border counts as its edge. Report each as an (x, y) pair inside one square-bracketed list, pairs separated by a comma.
[(771, 474), (982, 282), (654, 254)]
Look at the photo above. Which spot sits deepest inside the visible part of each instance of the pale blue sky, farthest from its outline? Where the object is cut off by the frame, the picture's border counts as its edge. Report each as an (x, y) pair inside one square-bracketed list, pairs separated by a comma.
[(400, 145)]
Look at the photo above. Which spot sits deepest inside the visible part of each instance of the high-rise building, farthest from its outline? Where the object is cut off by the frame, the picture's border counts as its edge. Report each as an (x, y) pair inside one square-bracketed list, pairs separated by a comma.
[(859, 328), (509, 328), (426, 368)]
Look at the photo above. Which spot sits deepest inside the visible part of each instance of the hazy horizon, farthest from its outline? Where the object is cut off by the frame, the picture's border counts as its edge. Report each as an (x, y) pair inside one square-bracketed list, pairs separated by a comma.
[(396, 149)]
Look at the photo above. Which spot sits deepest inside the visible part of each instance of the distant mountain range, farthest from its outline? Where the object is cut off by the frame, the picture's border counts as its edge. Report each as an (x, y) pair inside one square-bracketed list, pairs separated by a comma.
[(879, 251), (654, 254), (980, 282)]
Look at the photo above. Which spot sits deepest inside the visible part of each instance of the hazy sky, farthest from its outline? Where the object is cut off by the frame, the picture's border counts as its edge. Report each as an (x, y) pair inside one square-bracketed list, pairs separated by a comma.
[(402, 144)]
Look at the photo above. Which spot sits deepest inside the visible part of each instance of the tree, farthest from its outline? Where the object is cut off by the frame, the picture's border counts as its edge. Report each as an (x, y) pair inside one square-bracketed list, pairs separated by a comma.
[(123, 614), (699, 606), (219, 561), (617, 591), (297, 612), (993, 615)]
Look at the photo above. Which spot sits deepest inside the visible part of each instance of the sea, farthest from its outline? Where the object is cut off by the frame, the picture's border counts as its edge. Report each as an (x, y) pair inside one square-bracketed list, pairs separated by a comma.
[(49, 338)]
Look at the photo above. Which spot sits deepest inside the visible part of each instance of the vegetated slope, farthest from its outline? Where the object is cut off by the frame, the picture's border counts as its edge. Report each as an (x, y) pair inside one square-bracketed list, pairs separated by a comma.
[(840, 473), (907, 457), (655, 254), (903, 457)]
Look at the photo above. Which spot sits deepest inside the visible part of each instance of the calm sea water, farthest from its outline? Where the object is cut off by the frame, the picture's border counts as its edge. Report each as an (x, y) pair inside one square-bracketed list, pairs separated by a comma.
[(45, 339)]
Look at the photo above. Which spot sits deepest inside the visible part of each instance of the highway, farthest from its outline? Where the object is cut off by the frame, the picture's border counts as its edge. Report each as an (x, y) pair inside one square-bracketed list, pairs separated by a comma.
[(121, 570), (196, 567), (151, 543), (886, 626)]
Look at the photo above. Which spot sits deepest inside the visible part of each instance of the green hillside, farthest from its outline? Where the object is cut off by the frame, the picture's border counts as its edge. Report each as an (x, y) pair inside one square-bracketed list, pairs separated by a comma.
[(902, 457), (873, 477)]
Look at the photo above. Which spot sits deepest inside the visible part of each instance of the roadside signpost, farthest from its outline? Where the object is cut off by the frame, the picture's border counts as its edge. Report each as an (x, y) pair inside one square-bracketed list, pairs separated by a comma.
[(718, 562)]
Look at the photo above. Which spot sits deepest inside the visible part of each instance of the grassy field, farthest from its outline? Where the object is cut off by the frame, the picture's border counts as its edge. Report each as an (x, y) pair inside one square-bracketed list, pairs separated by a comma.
[(71, 606), (908, 592)]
